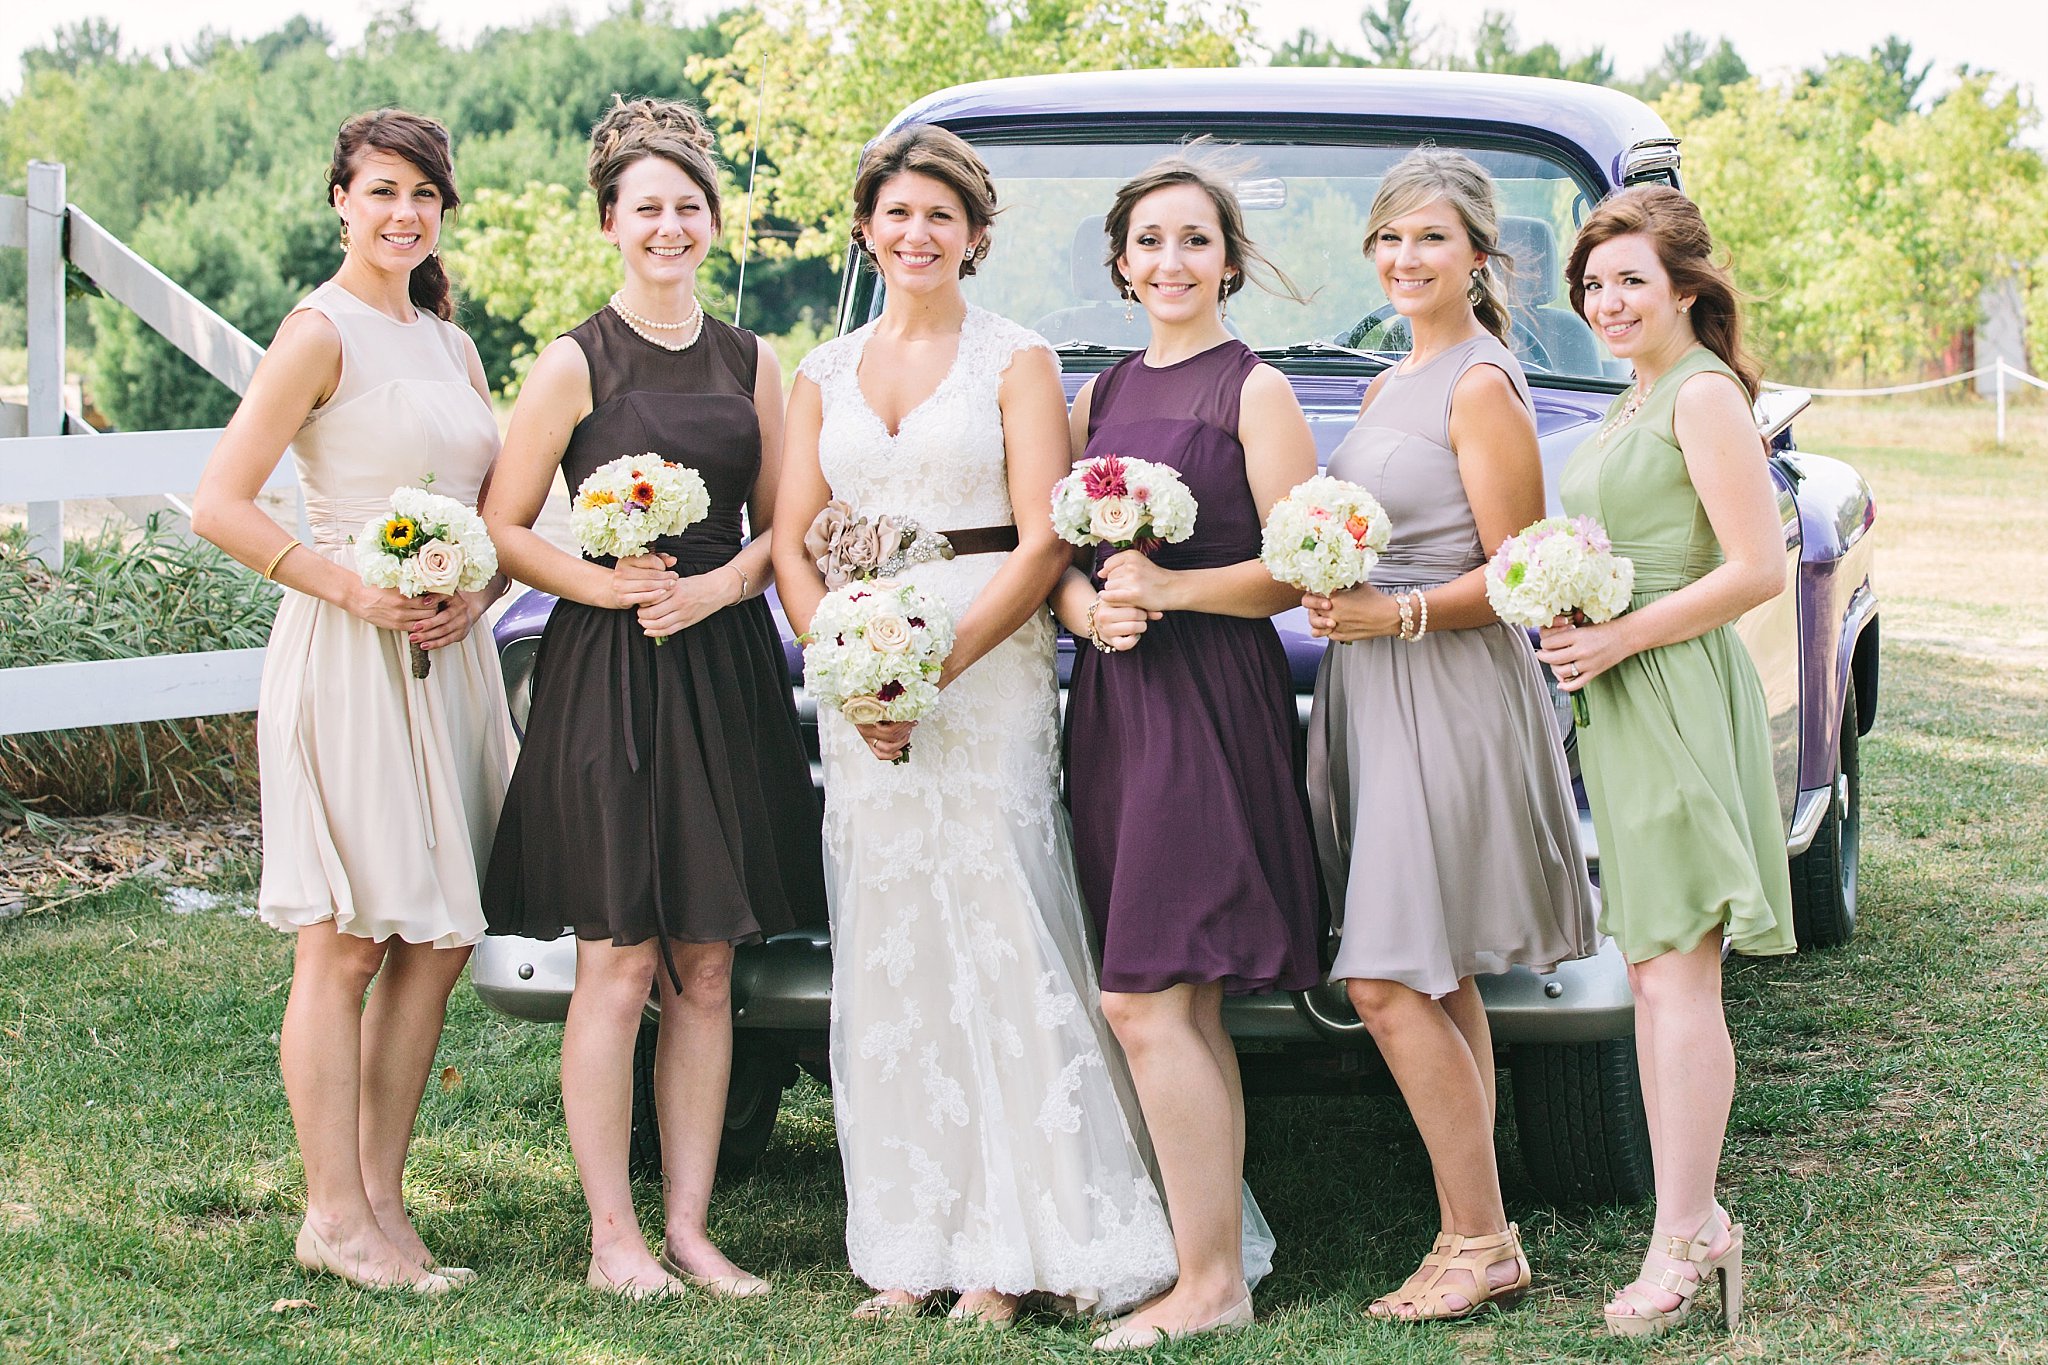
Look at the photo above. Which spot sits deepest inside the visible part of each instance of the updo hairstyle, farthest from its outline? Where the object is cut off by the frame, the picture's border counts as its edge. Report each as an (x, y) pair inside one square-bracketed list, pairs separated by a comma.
[(1678, 233), (1428, 174), (928, 150), (632, 131), (1202, 164), (423, 143)]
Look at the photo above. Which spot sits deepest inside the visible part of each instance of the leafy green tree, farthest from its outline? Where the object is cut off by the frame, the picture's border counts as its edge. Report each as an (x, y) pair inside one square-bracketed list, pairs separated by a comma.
[(1497, 48), (1688, 59), (220, 248), (1394, 37), (1309, 48), (838, 70)]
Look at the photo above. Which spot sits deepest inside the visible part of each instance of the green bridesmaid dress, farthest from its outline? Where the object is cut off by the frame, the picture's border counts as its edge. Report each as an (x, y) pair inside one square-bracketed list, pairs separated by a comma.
[(1677, 757)]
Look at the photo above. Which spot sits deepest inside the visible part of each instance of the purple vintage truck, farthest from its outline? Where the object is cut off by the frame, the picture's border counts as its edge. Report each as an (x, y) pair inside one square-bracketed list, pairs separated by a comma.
[(1319, 141)]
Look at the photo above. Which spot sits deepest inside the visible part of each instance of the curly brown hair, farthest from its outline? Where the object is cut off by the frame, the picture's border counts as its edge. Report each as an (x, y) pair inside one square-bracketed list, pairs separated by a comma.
[(1677, 231)]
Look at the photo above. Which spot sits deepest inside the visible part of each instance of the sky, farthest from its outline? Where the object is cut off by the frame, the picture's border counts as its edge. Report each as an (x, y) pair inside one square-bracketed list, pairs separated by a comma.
[(2007, 36)]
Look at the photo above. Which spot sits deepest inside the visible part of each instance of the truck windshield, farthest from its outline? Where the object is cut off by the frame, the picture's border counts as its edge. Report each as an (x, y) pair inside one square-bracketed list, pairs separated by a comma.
[(1305, 205)]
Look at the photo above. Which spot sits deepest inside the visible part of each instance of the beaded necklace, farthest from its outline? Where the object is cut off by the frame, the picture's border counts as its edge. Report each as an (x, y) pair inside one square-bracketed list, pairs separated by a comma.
[(647, 328)]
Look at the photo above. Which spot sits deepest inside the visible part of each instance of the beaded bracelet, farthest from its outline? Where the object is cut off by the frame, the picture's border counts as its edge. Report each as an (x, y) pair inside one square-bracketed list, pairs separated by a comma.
[(1422, 627), (1102, 646), (1407, 606)]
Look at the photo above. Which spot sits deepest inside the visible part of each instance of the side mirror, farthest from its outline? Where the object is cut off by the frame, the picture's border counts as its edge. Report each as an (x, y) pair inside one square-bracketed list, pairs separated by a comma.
[(1653, 160)]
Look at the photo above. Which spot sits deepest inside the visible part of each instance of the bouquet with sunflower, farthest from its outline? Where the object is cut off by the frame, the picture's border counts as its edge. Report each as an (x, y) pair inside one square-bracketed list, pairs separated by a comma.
[(631, 502), (428, 543)]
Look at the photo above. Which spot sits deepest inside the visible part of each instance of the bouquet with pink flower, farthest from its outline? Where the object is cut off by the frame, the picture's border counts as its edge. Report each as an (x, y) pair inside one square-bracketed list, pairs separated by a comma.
[(874, 652), (1559, 566), (1325, 536), (1122, 503)]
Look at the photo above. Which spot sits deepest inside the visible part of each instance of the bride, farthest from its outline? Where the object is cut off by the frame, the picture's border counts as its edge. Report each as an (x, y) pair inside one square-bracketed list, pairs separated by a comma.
[(981, 1104)]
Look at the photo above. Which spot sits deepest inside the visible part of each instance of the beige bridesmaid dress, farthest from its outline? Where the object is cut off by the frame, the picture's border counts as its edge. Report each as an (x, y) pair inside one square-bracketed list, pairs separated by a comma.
[(381, 791)]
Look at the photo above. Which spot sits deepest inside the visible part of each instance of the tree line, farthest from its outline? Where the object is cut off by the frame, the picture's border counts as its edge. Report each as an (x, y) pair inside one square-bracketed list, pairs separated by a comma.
[(1866, 217)]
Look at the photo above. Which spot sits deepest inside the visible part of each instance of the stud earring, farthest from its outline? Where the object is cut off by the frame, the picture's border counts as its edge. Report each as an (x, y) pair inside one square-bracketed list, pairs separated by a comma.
[(1476, 292), (1130, 299), (1684, 308)]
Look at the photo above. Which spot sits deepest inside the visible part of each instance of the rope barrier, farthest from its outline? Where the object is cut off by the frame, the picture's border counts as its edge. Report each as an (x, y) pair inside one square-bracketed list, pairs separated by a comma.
[(2000, 369)]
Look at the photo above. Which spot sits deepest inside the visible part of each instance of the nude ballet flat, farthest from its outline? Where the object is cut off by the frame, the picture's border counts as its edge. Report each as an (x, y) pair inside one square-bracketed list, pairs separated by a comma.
[(313, 1251), (717, 1286), (1132, 1338)]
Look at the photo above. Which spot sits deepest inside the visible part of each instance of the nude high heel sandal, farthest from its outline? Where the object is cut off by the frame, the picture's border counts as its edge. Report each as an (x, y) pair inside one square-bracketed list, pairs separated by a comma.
[(1645, 1319)]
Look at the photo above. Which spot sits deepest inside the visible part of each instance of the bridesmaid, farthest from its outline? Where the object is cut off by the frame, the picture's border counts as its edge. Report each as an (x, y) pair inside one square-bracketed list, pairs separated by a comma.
[(1677, 758), (662, 807), (1191, 829), (1433, 737), (380, 791)]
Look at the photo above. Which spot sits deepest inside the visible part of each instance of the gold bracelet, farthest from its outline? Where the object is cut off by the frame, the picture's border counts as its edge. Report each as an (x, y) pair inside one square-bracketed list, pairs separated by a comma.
[(1407, 607), (1102, 646), (270, 569), (745, 586)]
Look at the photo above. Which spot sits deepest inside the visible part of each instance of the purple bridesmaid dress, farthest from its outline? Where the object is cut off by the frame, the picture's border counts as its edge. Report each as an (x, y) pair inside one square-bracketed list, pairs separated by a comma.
[(1185, 775)]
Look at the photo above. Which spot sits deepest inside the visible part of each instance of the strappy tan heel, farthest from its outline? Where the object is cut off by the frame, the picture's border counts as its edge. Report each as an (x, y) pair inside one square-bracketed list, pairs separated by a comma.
[(1425, 1290), (1645, 1319)]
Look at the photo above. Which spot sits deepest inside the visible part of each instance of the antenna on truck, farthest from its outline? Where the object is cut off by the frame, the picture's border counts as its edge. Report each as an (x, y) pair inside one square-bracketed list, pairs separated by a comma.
[(753, 166)]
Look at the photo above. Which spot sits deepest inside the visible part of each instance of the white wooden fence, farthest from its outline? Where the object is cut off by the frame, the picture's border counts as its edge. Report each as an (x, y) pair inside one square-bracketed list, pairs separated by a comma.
[(44, 463)]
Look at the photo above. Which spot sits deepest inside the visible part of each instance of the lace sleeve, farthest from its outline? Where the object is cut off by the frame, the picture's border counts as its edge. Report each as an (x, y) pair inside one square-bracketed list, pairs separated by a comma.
[(1007, 340), (825, 362)]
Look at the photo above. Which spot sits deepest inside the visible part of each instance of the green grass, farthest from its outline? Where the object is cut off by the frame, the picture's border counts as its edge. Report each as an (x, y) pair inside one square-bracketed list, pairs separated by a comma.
[(1889, 1149)]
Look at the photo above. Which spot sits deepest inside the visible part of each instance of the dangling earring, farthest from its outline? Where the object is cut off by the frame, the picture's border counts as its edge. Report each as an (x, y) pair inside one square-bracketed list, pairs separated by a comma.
[(1223, 294), (344, 234), (1130, 299), (1475, 293)]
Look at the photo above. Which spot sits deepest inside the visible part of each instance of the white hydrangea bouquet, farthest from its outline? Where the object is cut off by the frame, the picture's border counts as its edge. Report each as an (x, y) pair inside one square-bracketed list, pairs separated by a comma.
[(874, 651), (428, 543), (1325, 536), (631, 502), (1559, 566), (1122, 503)]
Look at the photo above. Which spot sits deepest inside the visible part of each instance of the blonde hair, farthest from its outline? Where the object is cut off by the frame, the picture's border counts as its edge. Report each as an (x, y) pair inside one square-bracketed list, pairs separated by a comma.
[(938, 154), (1428, 174), (633, 130), (1204, 165)]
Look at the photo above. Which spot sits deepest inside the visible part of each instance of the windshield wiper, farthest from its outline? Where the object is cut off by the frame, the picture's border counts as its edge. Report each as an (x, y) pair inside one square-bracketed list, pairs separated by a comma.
[(1071, 347), (1319, 348)]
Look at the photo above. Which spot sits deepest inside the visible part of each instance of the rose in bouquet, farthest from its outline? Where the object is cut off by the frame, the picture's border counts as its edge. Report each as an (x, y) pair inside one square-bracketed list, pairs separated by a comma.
[(1559, 566), (1325, 536), (874, 651), (428, 543), (631, 502), (1122, 503)]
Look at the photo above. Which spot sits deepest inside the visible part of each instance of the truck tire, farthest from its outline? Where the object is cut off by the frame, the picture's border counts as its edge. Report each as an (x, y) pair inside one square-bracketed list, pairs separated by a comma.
[(761, 1069), (1824, 877), (1579, 1118)]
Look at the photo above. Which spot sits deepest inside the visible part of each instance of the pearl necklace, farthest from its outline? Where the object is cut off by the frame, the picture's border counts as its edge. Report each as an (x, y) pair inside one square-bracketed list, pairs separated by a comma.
[(1637, 396), (646, 328)]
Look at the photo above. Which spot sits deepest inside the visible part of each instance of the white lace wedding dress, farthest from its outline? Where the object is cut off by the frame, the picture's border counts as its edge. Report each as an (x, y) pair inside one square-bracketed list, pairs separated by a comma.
[(984, 1112)]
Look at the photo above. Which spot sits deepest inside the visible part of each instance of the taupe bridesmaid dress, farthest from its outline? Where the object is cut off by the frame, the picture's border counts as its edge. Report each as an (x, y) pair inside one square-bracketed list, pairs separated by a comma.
[(1444, 816)]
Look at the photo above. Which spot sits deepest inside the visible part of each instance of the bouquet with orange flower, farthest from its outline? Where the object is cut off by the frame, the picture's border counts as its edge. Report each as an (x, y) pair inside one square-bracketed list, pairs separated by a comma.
[(633, 501), (1325, 536), (428, 543)]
